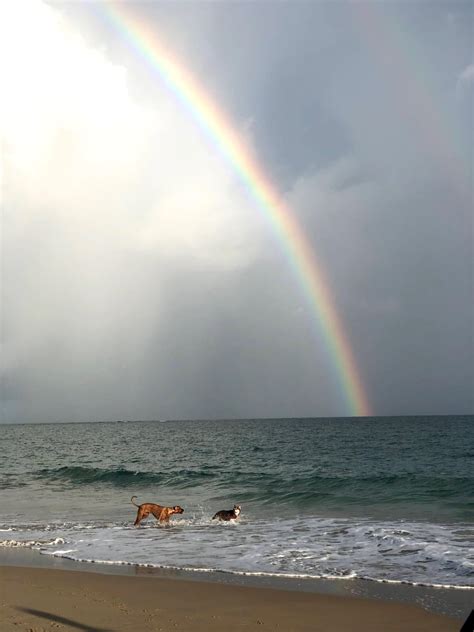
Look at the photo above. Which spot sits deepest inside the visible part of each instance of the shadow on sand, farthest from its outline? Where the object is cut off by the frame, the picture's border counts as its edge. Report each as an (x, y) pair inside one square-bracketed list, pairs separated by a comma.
[(57, 619)]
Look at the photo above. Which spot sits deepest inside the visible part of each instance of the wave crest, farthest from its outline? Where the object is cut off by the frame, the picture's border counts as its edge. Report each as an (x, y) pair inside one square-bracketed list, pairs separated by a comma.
[(120, 477), (268, 488)]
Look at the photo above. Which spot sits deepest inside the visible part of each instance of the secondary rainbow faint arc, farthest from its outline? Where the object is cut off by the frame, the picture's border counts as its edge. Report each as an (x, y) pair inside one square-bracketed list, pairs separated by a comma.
[(297, 248)]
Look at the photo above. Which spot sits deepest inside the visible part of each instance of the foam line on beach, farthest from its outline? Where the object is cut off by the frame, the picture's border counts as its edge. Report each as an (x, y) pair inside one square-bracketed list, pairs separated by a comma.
[(67, 555)]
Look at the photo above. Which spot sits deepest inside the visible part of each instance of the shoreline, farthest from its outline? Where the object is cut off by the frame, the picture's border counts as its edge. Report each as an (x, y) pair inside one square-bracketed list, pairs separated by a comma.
[(448, 602), (39, 599)]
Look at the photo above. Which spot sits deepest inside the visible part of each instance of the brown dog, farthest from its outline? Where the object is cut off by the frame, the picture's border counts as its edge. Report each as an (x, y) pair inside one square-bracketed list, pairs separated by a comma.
[(162, 514)]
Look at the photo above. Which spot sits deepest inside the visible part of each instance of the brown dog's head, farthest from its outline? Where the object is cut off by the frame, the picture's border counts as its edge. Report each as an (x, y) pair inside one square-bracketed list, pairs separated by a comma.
[(178, 509)]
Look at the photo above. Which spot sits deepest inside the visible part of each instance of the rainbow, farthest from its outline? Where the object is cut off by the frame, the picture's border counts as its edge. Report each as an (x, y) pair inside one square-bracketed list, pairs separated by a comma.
[(393, 49), (219, 131)]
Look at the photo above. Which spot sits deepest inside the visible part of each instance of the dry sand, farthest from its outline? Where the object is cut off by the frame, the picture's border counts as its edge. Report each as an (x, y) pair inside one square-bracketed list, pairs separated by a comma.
[(44, 599)]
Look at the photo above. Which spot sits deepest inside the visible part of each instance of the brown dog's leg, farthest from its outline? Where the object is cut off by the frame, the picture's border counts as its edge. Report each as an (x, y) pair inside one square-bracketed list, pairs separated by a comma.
[(141, 514), (159, 513)]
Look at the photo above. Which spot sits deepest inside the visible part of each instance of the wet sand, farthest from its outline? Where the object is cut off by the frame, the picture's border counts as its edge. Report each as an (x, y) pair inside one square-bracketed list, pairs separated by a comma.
[(40, 599)]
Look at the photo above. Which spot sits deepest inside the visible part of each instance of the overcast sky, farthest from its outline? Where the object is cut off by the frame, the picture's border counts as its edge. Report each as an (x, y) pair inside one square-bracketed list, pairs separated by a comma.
[(138, 278)]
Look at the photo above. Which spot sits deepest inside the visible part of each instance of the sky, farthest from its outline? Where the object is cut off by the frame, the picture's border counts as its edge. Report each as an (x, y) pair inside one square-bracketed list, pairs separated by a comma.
[(139, 277)]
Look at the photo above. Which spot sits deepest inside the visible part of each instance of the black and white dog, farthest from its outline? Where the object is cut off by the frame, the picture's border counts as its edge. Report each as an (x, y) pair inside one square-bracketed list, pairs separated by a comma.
[(228, 514)]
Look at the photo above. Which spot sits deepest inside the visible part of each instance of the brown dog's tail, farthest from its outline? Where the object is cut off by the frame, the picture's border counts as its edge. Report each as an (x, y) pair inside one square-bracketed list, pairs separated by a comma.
[(133, 503)]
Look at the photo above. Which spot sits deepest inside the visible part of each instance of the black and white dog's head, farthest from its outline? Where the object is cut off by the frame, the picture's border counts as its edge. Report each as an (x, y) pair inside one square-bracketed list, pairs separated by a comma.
[(237, 510)]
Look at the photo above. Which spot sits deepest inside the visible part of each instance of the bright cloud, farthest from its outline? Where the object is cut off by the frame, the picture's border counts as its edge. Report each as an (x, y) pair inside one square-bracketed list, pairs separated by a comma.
[(102, 195), (79, 148)]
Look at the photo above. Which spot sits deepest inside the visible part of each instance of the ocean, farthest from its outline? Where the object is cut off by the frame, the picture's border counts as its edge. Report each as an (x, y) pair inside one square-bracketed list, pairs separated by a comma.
[(384, 499)]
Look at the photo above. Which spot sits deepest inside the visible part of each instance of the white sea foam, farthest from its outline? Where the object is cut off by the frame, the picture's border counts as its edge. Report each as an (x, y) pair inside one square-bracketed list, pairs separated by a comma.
[(30, 543), (310, 547)]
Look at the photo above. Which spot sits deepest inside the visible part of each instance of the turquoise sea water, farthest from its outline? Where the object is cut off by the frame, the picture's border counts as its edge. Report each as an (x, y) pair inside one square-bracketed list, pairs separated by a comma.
[(389, 499)]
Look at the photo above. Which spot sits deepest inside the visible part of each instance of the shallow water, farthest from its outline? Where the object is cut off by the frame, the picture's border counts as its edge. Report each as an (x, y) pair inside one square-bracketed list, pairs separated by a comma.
[(390, 499)]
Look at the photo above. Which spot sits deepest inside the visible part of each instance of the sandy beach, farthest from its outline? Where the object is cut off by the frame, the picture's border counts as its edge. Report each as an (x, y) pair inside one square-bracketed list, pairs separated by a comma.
[(41, 599)]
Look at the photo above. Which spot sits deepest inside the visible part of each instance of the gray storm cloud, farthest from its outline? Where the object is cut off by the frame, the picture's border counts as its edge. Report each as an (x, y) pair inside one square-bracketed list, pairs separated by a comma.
[(138, 278), (104, 202)]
